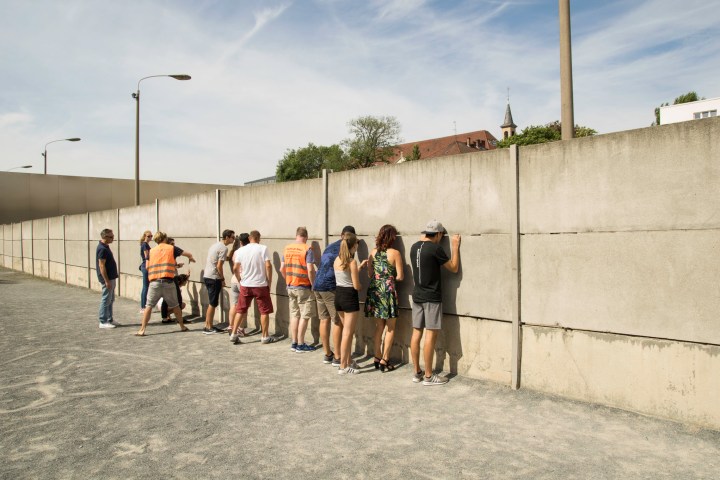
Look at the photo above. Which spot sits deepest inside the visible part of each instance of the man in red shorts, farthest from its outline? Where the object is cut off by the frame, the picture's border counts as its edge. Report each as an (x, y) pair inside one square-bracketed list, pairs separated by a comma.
[(254, 271)]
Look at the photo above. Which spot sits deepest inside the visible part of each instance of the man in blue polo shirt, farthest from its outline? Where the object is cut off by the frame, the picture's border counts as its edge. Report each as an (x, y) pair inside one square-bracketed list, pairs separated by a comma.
[(324, 289), (107, 273)]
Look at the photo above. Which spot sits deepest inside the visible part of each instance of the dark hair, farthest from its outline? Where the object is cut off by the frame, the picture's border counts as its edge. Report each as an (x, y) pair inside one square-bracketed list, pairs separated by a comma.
[(227, 234), (348, 228), (182, 278), (106, 233), (385, 237), (432, 235), (244, 239)]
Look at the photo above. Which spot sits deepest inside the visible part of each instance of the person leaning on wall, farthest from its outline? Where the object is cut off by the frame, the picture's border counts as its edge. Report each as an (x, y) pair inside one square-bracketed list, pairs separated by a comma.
[(214, 277), (161, 272), (144, 253)]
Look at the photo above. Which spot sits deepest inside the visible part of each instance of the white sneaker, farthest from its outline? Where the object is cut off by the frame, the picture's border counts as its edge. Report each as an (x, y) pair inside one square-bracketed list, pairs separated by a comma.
[(106, 325), (113, 322)]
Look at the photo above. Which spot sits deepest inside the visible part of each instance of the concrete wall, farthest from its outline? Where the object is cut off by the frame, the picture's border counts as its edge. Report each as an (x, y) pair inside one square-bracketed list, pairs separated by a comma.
[(589, 268), (26, 196)]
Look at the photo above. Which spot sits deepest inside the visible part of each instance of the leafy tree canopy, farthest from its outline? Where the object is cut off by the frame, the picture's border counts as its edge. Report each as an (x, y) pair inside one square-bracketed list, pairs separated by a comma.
[(308, 162), (373, 140), (550, 132)]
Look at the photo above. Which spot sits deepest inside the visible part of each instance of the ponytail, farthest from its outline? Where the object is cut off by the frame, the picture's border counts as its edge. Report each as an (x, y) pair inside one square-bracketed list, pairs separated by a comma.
[(349, 241)]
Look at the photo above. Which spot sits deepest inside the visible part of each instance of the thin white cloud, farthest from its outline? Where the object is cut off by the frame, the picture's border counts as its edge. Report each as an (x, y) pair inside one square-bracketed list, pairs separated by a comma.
[(265, 79)]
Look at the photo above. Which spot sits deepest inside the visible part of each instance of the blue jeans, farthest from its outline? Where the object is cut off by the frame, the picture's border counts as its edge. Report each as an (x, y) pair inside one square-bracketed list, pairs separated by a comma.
[(146, 285), (106, 302)]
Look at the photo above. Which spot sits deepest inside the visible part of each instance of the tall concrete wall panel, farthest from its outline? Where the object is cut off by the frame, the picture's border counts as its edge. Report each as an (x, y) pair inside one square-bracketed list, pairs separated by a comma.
[(655, 284), (56, 235), (275, 210), (27, 244), (664, 378), (40, 239), (76, 242), (662, 178), (132, 222), (191, 216), (467, 193), (77, 276)]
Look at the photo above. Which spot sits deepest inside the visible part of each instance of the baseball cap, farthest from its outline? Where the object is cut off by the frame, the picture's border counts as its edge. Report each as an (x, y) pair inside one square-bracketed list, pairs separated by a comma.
[(433, 226), (348, 228)]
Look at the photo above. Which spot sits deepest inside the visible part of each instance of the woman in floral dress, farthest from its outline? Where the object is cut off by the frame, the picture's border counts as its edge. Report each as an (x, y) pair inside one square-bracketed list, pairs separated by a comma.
[(385, 267)]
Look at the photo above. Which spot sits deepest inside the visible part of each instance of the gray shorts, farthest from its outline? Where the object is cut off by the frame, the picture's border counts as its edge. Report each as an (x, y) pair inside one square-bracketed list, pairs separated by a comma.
[(234, 293), (427, 315), (326, 306), (164, 289)]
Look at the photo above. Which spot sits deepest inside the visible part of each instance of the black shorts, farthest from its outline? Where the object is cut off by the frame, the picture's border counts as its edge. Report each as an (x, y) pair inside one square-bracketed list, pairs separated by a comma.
[(214, 287), (346, 299)]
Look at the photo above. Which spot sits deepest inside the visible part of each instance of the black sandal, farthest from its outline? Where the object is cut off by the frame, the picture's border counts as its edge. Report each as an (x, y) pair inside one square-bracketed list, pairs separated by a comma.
[(389, 366), (376, 362)]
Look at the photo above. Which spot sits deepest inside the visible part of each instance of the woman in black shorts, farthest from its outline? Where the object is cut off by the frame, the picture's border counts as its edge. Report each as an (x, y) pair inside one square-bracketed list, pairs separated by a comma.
[(347, 302)]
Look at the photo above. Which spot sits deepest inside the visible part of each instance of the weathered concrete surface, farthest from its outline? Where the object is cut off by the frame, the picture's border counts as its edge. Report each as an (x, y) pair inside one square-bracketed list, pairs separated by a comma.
[(26, 196), (654, 284), (659, 178), (660, 377), (80, 402)]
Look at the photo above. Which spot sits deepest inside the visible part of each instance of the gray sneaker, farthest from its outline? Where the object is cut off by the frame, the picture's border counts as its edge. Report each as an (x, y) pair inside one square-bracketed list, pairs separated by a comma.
[(417, 377), (336, 362), (235, 339), (328, 359), (435, 379), (267, 340)]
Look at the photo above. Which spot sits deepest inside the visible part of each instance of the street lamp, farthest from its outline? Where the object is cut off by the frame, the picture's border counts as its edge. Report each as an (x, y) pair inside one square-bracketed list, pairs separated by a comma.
[(15, 168), (44, 154), (136, 96)]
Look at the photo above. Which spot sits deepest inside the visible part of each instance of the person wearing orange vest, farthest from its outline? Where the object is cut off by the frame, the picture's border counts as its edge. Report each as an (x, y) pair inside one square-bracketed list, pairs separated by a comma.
[(298, 270), (161, 267)]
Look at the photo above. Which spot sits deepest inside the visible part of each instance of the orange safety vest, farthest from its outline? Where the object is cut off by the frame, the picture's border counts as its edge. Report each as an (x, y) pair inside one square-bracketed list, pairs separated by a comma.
[(161, 263), (296, 269)]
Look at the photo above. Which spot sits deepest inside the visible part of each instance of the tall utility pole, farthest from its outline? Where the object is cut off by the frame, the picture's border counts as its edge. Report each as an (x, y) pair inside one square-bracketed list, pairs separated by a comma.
[(566, 84)]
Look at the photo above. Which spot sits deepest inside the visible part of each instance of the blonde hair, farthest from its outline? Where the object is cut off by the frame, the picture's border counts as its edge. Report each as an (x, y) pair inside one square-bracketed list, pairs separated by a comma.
[(159, 237), (349, 242), (145, 234)]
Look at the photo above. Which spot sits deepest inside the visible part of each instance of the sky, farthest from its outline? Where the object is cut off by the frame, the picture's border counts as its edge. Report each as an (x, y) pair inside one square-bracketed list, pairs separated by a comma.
[(269, 76)]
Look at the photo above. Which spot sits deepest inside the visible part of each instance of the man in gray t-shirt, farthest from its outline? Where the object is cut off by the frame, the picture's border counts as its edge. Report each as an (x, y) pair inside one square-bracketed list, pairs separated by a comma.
[(214, 278)]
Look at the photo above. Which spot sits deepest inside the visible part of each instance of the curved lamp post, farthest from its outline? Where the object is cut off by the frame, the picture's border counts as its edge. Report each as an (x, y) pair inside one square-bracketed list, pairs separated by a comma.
[(44, 154), (136, 96), (15, 168)]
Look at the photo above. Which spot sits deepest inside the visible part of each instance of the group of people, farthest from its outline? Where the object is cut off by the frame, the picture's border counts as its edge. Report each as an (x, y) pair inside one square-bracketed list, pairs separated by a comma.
[(328, 290)]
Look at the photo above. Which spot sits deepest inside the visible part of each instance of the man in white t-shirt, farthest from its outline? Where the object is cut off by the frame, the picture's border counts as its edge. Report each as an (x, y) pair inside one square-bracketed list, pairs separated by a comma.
[(253, 269)]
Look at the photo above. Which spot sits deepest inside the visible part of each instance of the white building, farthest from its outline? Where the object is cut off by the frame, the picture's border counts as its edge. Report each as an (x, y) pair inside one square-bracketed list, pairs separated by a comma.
[(689, 111)]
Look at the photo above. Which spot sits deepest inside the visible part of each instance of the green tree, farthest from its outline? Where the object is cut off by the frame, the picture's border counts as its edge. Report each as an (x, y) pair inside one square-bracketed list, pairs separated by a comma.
[(550, 132), (415, 155), (691, 96), (373, 140), (308, 162)]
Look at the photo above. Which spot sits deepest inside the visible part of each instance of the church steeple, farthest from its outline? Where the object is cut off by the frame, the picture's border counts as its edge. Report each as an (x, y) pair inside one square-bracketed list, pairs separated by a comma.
[(508, 127)]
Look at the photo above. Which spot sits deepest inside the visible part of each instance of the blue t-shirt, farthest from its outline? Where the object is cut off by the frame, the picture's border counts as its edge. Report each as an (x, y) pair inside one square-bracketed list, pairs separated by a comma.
[(325, 277), (103, 252), (144, 247)]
